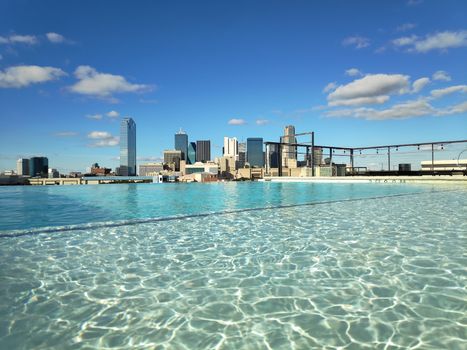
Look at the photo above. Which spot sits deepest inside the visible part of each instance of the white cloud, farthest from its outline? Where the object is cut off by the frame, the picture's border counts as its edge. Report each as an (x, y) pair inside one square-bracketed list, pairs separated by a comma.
[(360, 101), (262, 121), (456, 109), (419, 84), (103, 139), (330, 87), (55, 38), (449, 90), (103, 85), (441, 75), (353, 72), (235, 121), (113, 114), (21, 76), (99, 135), (371, 89), (358, 42), (66, 133), (439, 41), (3, 40), (404, 110), (405, 41), (94, 116), (23, 39), (405, 27)]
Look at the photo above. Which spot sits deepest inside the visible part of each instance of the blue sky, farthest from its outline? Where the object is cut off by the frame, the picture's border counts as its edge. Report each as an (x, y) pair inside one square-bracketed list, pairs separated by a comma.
[(357, 73)]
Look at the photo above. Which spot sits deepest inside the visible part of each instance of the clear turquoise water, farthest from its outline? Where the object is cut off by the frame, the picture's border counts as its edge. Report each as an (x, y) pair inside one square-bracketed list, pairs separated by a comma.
[(31, 207), (350, 266)]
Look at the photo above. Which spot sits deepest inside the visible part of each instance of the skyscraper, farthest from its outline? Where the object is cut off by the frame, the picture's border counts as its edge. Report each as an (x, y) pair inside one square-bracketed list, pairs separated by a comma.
[(39, 166), (203, 150), (289, 152), (231, 147), (127, 147), (22, 166), (191, 158), (254, 151), (172, 159), (241, 155), (272, 156), (181, 143)]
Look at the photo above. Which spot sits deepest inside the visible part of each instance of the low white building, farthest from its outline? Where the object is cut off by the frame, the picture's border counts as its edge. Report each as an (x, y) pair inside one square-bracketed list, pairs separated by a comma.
[(199, 167), (444, 165)]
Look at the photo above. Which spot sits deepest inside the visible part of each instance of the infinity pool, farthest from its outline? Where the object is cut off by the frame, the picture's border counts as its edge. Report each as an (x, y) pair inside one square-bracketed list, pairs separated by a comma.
[(233, 266)]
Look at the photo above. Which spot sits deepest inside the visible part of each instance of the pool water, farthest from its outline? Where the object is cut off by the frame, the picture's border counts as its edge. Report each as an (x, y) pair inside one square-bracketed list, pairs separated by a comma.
[(234, 266)]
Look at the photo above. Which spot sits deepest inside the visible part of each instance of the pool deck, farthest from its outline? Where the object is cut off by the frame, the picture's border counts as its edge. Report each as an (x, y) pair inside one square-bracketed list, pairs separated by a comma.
[(371, 179)]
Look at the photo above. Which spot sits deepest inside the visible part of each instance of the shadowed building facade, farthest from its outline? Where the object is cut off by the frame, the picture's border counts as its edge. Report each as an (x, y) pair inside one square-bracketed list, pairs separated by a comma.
[(203, 150)]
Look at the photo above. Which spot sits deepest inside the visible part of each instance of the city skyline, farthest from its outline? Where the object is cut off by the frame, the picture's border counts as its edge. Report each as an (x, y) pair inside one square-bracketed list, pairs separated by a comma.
[(357, 74)]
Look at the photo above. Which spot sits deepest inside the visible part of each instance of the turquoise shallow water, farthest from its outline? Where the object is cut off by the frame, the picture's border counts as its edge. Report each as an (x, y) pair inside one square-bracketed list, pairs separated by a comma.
[(379, 267), (31, 207)]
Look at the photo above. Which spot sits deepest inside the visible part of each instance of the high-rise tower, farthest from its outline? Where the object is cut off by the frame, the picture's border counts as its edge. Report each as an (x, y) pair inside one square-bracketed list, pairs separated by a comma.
[(127, 147), (203, 150), (231, 147), (289, 153), (181, 144), (254, 151)]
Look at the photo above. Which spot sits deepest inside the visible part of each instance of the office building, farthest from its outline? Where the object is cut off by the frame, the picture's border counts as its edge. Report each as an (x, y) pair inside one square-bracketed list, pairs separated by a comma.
[(191, 158), (227, 167), (53, 173), (230, 147), (181, 143), (241, 155), (150, 169), (254, 151), (99, 171), (127, 147), (39, 166), (22, 166), (272, 156), (172, 159), (199, 167), (203, 150), (444, 165), (289, 153)]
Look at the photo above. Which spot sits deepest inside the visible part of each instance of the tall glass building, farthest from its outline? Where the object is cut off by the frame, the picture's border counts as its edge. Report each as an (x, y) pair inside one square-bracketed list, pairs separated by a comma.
[(241, 154), (39, 166), (254, 151), (181, 143), (191, 157), (127, 147), (203, 151)]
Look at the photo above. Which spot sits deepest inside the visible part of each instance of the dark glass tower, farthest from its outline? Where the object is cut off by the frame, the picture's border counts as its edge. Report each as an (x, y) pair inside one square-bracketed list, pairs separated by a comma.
[(191, 158), (39, 166), (128, 147), (181, 144), (203, 150), (254, 151)]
